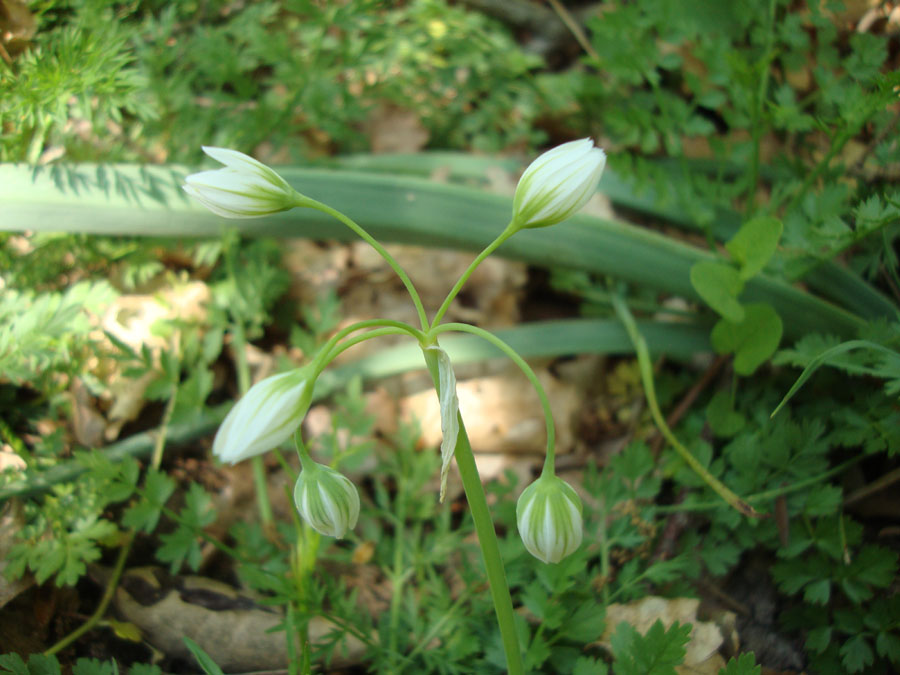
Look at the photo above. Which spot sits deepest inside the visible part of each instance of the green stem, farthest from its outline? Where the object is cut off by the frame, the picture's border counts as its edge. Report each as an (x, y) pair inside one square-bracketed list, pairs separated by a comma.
[(646, 368), (506, 234), (487, 537), (603, 536), (365, 236), (307, 463), (550, 459), (326, 355), (344, 346), (108, 593), (763, 496), (113, 581), (398, 576)]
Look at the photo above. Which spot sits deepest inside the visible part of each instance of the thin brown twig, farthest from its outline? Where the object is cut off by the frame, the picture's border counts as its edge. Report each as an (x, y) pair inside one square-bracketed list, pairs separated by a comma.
[(574, 28), (5, 55), (875, 486), (688, 400)]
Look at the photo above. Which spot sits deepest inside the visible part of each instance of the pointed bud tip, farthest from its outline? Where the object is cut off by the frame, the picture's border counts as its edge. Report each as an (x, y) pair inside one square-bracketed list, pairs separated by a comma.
[(558, 184)]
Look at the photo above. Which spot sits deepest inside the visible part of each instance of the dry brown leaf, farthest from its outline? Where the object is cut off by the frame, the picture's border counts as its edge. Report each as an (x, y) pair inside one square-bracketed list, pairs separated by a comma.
[(88, 424), (9, 459), (393, 129), (12, 520), (433, 271), (17, 28), (222, 621), (702, 657), (130, 318)]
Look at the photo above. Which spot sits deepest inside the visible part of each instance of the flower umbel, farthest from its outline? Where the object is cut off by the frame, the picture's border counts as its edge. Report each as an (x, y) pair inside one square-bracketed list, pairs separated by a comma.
[(326, 499), (243, 188), (265, 417), (557, 184), (549, 518)]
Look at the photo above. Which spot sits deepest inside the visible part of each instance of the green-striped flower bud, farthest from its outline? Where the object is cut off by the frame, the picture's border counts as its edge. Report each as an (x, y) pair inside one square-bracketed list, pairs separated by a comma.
[(326, 499), (243, 188), (265, 417), (557, 184), (549, 518)]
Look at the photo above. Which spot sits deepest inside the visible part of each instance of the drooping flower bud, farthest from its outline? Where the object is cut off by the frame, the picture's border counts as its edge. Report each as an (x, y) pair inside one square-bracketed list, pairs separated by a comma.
[(326, 499), (557, 184), (265, 417), (243, 188), (549, 518)]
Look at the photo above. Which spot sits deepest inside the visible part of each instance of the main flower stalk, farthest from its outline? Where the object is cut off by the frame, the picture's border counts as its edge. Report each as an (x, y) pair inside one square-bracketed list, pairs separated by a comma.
[(554, 187)]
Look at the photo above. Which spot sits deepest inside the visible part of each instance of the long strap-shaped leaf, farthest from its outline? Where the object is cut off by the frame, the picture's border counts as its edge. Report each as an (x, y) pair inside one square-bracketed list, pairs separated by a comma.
[(541, 338), (118, 199), (830, 280)]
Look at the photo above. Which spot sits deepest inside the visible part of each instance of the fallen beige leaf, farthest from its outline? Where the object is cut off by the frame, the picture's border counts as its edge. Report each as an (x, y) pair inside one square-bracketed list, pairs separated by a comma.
[(702, 657), (226, 624)]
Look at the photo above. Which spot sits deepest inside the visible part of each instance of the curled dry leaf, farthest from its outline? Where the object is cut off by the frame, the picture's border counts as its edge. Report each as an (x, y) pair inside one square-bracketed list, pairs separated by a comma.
[(130, 318), (218, 618), (12, 520)]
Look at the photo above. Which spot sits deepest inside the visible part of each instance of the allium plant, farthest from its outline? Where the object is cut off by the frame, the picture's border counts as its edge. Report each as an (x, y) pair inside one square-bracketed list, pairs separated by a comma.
[(554, 187)]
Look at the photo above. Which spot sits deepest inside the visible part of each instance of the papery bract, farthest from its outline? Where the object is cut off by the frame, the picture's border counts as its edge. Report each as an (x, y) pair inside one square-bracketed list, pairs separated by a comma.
[(557, 184), (265, 417), (449, 412), (548, 515), (243, 188), (326, 499)]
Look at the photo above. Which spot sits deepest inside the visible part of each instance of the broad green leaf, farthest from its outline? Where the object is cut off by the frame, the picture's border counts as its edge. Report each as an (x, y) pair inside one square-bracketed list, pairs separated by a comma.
[(723, 419), (818, 592), (754, 245), (13, 663), (743, 664), (656, 653), (43, 664), (856, 654), (94, 667), (144, 515), (818, 639), (888, 646), (719, 285), (752, 341), (586, 665)]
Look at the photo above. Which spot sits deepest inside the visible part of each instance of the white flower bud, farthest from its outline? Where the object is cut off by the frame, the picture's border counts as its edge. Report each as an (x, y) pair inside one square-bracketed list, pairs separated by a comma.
[(265, 417), (326, 499), (243, 188), (549, 518), (557, 184)]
